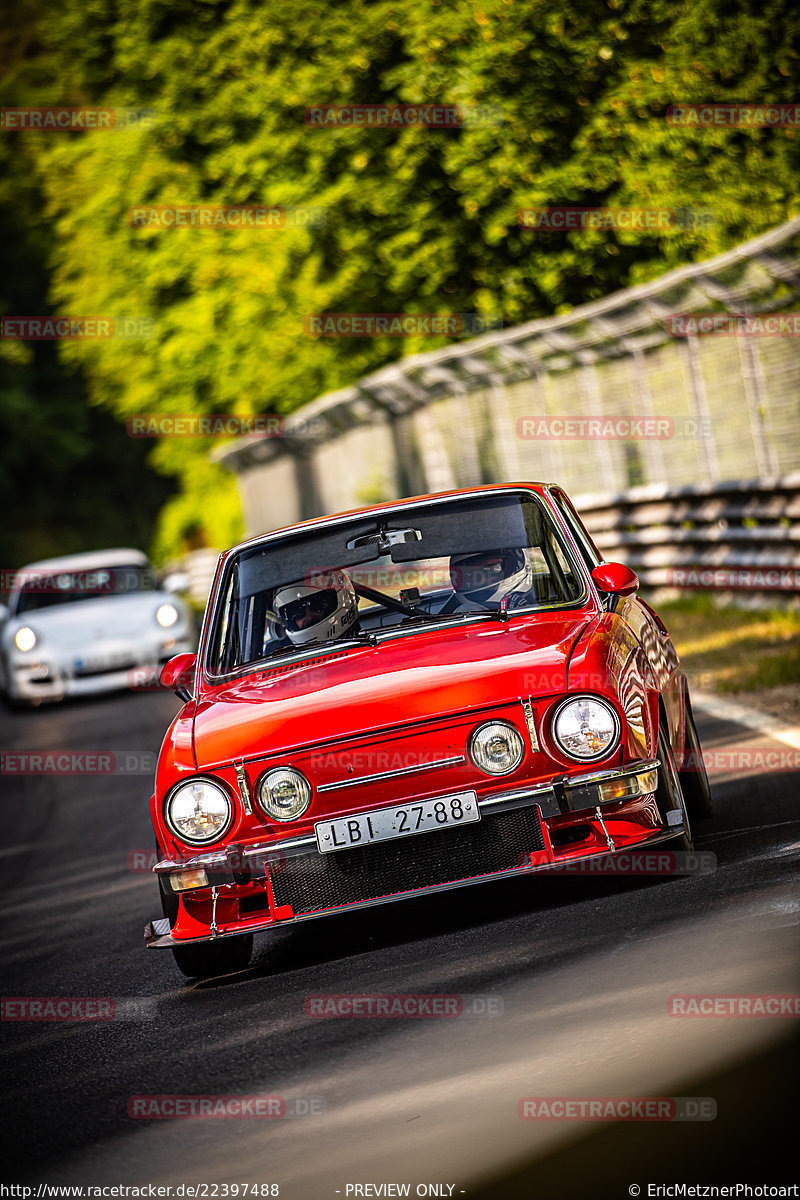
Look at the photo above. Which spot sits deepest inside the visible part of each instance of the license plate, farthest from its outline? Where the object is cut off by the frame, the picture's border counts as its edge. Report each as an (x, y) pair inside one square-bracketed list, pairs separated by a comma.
[(401, 820), (100, 664)]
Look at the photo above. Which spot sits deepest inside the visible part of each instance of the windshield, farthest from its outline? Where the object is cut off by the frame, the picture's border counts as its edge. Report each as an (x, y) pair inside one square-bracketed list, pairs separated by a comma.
[(43, 588), (400, 570)]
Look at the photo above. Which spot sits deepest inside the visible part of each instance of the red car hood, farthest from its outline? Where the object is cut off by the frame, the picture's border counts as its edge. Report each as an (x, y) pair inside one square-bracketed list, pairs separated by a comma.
[(420, 677)]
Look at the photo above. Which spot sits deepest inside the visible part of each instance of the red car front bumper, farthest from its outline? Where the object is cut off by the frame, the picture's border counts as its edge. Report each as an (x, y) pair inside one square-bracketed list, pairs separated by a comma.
[(550, 827)]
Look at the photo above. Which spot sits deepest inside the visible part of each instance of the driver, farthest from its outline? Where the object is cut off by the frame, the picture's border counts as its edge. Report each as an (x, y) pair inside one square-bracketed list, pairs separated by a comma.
[(486, 579), (320, 612)]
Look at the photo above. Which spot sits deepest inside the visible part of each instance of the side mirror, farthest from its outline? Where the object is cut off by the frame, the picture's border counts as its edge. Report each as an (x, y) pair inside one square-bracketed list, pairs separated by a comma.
[(178, 581), (178, 675), (615, 578)]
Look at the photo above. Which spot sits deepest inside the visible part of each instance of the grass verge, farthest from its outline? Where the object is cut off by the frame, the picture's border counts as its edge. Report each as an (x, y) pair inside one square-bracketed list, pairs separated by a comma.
[(727, 649)]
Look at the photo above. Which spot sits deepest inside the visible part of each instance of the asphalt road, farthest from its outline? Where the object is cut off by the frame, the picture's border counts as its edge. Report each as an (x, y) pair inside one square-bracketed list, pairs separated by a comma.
[(577, 974)]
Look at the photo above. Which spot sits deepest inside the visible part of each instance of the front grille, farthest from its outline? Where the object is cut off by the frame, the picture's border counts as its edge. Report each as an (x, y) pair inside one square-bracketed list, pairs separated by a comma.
[(498, 842)]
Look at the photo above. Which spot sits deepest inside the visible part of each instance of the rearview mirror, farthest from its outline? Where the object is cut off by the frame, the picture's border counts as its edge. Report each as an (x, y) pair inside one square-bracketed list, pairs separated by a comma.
[(615, 578), (178, 675)]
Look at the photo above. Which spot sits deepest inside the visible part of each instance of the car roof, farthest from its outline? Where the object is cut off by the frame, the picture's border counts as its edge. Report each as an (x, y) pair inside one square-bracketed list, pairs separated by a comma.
[(386, 506), (89, 560)]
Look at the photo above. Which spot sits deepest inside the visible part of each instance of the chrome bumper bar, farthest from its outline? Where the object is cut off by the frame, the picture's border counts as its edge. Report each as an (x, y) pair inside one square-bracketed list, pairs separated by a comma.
[(242, 864), (157, 934)]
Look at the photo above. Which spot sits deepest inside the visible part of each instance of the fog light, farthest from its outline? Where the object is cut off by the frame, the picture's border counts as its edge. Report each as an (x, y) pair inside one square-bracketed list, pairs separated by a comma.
[(284, 794), (496, 748), (628, 787), (184, 881)]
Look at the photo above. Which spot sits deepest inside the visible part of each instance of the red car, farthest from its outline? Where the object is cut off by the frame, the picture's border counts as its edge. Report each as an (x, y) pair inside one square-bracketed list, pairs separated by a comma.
[(413, 697)]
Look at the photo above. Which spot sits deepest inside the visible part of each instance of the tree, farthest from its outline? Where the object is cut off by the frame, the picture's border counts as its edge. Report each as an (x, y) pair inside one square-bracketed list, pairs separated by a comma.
[(417, 219)]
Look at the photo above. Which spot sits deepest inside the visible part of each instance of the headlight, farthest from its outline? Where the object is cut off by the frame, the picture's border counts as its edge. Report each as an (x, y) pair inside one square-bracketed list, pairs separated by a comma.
[(586, 728), (496, 748), (166, 615), (284, 794), (25, 639), (198, 811)]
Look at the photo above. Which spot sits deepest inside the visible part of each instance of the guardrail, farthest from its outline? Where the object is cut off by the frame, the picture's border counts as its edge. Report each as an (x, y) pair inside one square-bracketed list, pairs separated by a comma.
[(723, 537)]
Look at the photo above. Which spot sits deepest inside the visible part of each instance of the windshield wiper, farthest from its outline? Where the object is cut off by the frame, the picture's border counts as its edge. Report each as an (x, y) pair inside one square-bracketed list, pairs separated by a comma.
[(363, 637)]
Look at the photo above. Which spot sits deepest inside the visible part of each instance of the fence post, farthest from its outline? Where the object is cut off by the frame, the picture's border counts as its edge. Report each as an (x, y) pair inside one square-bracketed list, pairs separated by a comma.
[(701, 411)]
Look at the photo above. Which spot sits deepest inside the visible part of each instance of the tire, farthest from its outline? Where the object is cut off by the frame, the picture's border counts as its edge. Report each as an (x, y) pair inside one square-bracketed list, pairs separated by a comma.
[(203, 960), (670, 795), (694, 778)]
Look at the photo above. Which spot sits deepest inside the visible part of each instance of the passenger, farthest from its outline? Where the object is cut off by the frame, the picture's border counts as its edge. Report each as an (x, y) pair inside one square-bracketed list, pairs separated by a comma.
[(487, 579), (318, 614)]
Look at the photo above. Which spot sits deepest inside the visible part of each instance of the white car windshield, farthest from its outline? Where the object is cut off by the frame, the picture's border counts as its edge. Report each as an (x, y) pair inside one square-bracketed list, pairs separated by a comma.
[(43, 587)]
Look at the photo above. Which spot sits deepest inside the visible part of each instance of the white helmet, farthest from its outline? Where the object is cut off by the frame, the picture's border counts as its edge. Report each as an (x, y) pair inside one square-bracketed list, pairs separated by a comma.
[(317, 612), (491, 576)]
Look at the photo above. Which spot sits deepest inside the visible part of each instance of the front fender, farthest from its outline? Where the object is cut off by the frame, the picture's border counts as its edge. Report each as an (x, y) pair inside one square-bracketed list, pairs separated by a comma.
[(609, 661)]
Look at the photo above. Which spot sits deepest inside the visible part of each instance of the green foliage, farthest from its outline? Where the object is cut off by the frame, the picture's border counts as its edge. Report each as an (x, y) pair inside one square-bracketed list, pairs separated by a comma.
[(418, 220), (70, 479)]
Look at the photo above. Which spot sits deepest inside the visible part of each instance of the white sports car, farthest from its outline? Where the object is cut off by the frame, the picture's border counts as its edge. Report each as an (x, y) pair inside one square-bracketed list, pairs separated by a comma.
[(87, 623)]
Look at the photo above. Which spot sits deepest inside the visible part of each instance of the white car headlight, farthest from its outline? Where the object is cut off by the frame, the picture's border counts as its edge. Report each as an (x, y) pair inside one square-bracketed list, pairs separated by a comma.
[(25, 639), (166, 615), (284, 794), (586, 728), (496, 748), (198, 811)]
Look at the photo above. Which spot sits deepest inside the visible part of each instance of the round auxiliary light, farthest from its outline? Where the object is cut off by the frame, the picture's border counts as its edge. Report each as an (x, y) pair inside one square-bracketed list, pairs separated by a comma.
[(166, 615), (198, 811), (284, 794), (25, 639), (586, 728), (496, 748)]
